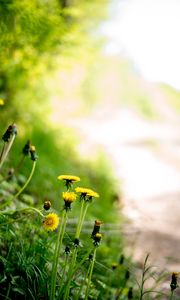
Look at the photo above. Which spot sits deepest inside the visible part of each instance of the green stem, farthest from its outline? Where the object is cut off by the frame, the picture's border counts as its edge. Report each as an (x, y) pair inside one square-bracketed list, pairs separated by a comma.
[(90, 274), (70, 274), (83, 216), (57, 254), (5, 153), (2, 152), (79, 220), (27, 181), (63, 275), (171, 296)]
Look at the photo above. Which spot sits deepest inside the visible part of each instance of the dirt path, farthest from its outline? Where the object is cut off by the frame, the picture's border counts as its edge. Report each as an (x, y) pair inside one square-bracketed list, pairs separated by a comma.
[(145, 156)]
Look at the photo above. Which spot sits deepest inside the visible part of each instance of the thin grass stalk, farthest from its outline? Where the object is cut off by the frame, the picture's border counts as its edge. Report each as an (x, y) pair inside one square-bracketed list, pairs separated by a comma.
[(57, 254), (90, 274), (27, 181), (143, 278), (6, 151)]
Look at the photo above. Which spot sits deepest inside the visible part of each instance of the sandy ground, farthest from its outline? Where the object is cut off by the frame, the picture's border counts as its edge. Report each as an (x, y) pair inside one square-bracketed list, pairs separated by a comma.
[(145, 157)]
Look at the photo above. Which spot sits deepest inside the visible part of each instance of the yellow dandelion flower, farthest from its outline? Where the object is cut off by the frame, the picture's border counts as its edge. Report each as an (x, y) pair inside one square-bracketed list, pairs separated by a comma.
[(69, 179), (68, 198), (91, 194), (1, 101), (85, 192), (51, 222)]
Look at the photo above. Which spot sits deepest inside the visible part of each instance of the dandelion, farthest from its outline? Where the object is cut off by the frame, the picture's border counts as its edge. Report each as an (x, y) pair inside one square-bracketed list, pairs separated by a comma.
[(51, 222), (114, 266), (97, 239), (68, 198), (96, 229), (174, 278), (86, 194), (26, 149), (69, 179), (130, 293), (33, 153), (47, 205), (11, 130), (173, 283)]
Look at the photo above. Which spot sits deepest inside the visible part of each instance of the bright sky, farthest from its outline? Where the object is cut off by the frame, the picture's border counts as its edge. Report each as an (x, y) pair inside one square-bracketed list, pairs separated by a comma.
[(149, 32)]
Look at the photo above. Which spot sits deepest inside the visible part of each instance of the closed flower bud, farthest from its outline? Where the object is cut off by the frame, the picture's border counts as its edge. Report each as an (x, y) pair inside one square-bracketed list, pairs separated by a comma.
[(47, 205), (174, 278), (33, 153), (26, 149), (10, 131), (97, 238)]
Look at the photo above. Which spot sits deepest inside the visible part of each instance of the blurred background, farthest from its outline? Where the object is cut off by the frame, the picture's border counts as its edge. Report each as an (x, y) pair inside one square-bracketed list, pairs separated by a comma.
[(96, 86)]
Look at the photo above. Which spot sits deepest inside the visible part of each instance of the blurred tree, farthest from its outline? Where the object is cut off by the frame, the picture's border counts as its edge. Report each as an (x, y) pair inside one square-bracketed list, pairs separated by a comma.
[(33, 35)]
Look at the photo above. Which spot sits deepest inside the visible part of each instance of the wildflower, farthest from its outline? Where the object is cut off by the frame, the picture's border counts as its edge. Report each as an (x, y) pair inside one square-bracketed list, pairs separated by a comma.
[(27, 148), (121, 260), (114, 266), (68, 198), (1, 102), (69, 179), (130, 293), (127, 275), (51, 222), (33, 153), (86, 194), (47, 205), (97, 239), (12, 130), (96, 228), (90, 257), (174, 278), (76, 242), (67, 250)]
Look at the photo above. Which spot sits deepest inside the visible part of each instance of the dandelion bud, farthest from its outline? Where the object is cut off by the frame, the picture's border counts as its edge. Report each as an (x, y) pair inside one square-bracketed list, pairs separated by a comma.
[(130, 293), (47, 205), (67, 250), (90, 257), (114, 266), (12, 130), (76, 242), (127, 275), (121, 260), (96, 229), (97, 239), (26, 149), (33, 153), (174, 278)]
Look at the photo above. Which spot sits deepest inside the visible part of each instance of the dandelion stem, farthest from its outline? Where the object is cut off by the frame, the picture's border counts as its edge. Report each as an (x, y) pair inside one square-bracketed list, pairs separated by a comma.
[(90, 274), (171, 296), (27, 181), (2, 152), (84, 207), (62, 278), (57, 254), (79, 220), (5, 152)]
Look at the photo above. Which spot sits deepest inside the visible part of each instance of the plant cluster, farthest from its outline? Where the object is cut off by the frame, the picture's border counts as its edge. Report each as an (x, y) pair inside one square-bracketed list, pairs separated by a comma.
[(41, 258)]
